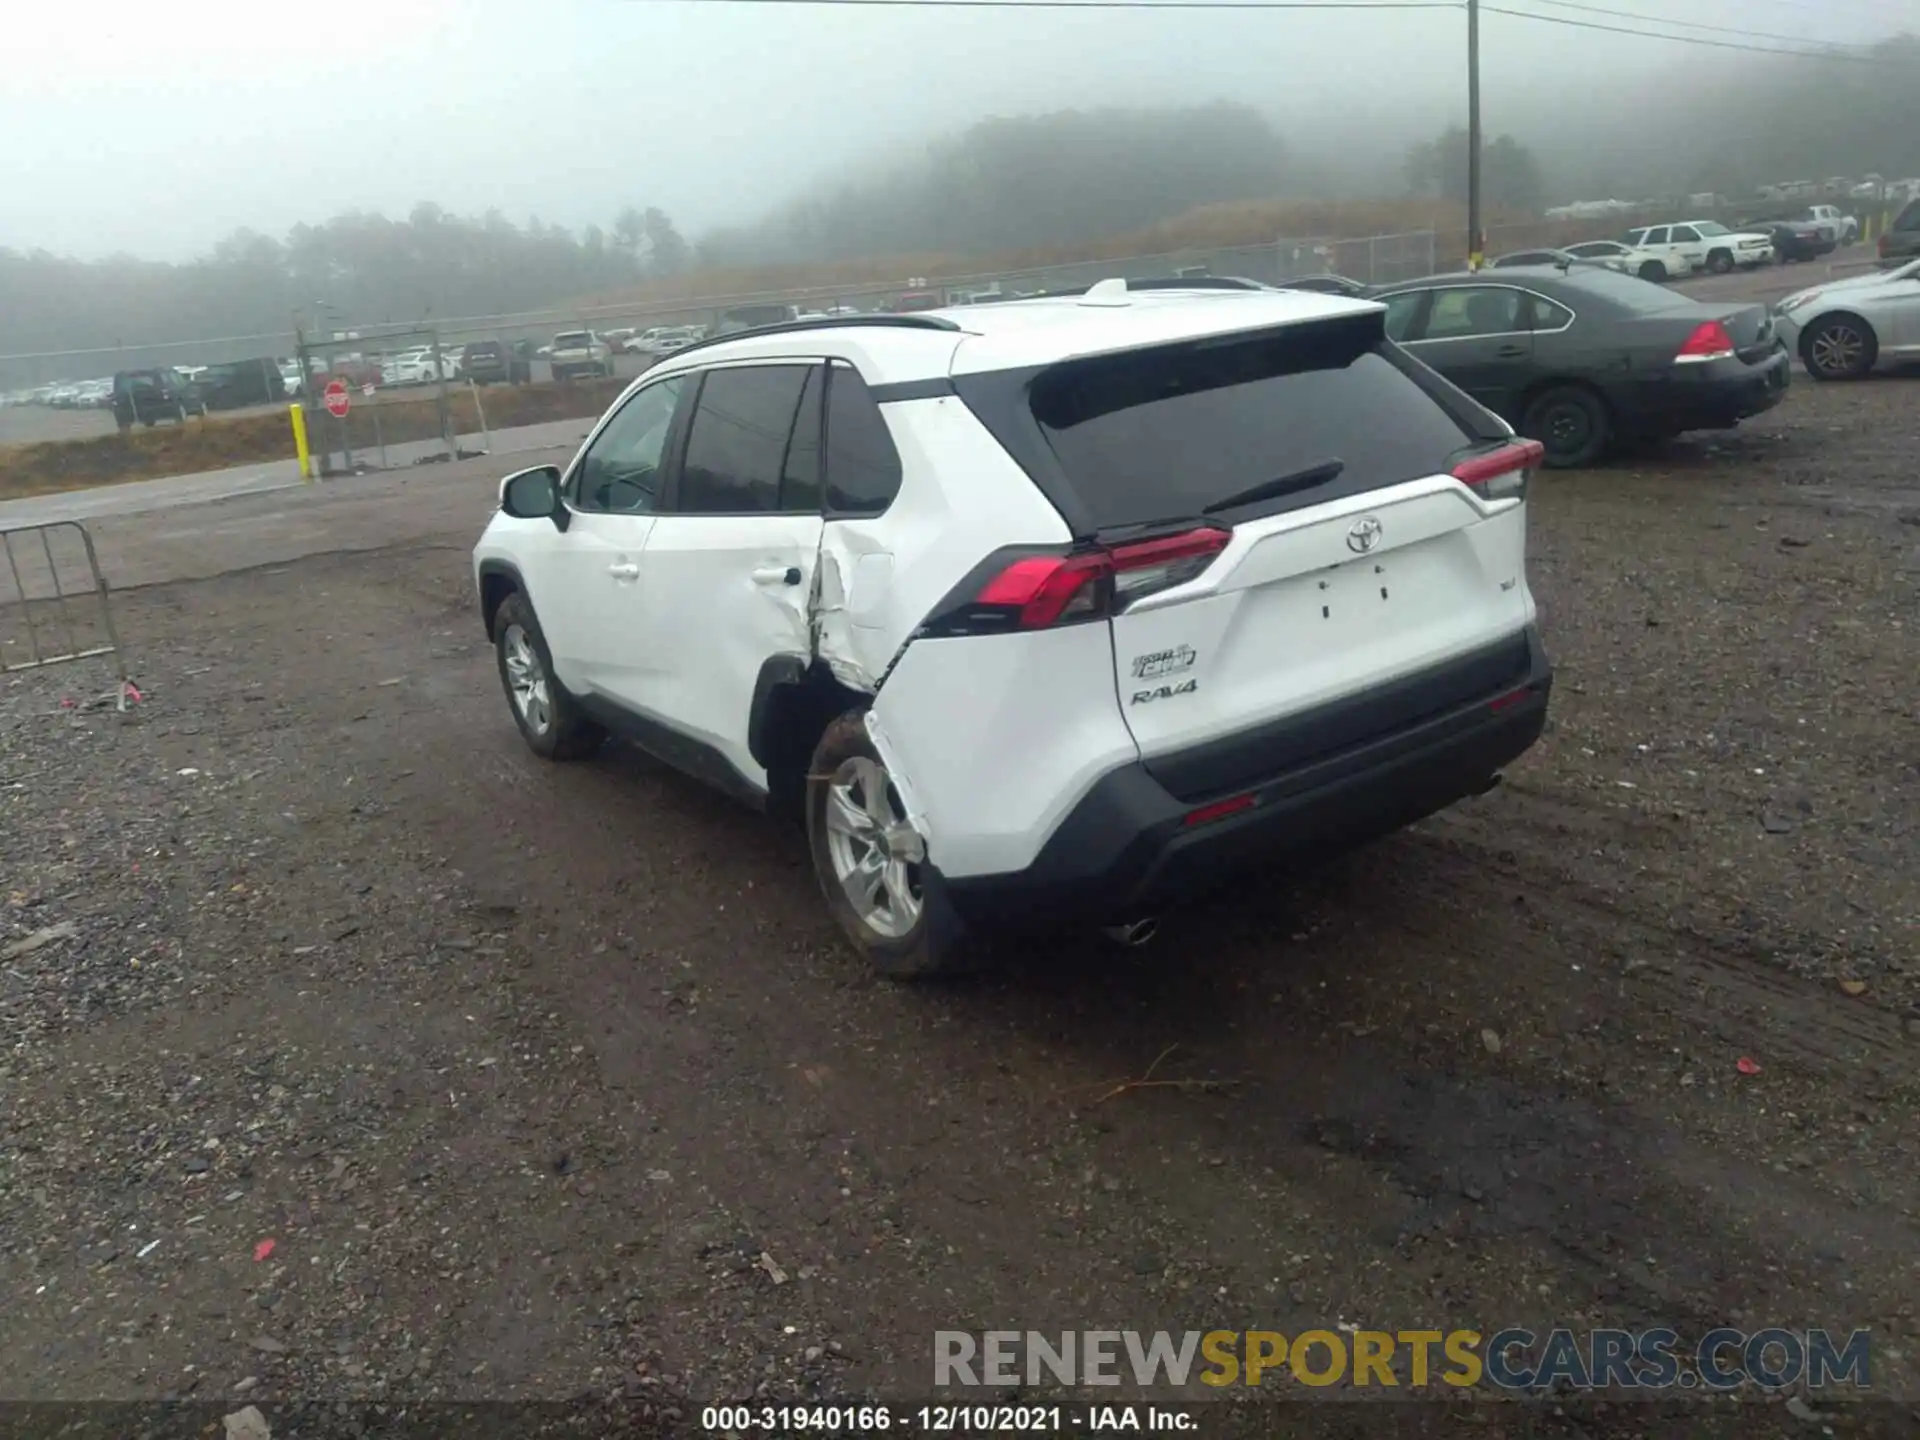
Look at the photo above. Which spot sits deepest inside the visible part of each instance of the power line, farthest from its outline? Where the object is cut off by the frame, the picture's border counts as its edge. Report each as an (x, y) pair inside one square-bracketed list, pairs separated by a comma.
[(1686, 24), (1090, 4), (1842, 55)]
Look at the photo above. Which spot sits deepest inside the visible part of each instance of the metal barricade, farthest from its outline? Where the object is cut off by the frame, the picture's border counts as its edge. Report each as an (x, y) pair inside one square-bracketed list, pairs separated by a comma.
[(54, 625)]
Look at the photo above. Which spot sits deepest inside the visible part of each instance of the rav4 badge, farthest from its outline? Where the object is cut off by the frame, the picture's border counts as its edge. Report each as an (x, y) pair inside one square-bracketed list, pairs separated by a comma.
[(1164, 692)]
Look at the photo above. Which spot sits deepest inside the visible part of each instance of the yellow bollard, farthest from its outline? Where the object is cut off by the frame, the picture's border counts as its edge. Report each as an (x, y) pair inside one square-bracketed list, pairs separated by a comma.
[(299, 419)]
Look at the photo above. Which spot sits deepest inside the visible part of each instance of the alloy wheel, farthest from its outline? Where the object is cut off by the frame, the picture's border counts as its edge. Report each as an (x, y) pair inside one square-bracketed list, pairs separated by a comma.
[(876, 853), (527, 680), (1836, 350)]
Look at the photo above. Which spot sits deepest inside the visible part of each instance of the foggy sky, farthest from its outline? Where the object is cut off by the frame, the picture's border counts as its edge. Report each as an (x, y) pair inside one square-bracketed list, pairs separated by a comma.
[(129, 132)]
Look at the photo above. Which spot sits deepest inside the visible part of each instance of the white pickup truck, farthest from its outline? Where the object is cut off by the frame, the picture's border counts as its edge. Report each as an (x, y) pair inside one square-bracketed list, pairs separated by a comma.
[(1705, 244), (1845, 228)]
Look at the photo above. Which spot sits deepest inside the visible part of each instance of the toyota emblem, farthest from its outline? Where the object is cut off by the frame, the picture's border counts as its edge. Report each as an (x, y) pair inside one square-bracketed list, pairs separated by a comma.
[(1363, 535)]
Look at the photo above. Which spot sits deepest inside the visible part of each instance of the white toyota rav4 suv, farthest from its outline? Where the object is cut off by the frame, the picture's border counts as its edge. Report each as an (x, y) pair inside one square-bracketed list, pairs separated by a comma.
[(1057, 609)]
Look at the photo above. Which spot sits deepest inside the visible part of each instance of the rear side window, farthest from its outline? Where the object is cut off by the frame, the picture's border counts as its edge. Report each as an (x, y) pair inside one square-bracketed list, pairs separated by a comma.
[(1909, 218), (1167, 432), (863, 468), (737, 446)]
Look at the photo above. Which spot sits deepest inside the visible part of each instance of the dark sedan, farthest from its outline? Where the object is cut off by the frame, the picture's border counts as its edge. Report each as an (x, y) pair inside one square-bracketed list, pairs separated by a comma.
[(1583, 359), (488, 362), (1796, 239)]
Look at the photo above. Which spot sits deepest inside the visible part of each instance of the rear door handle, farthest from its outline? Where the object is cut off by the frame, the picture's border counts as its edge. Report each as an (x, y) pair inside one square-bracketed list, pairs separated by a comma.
[(1510, 352), (624, 572), (777, 575)]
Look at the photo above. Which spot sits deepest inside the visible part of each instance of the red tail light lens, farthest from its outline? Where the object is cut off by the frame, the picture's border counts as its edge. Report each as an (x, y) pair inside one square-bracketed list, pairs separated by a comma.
[(1501, 474), (1710, 342), (1048, 590)]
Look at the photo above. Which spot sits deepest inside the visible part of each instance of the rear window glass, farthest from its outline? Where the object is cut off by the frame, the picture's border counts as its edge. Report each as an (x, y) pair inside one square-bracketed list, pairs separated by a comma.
[(572, 340), (1165, 433)]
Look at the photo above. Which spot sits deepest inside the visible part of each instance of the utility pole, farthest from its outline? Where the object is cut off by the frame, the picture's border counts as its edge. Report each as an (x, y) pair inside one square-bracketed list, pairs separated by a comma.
[(1476, 239)]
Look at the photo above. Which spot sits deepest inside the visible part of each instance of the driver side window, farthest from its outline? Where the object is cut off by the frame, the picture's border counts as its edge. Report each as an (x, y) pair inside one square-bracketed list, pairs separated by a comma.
[(621, 473)]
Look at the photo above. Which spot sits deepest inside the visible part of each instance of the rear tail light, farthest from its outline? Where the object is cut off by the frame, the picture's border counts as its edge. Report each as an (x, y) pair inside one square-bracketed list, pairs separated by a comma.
[(1501, 474), (1038, 591), (1885, 248), (1710, 342)]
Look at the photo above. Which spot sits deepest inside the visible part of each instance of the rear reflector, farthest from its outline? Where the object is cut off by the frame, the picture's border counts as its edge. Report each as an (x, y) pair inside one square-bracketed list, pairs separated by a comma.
[(1508, 701), (1501, 474), (1710, 342), (1219, 810), (1036, 591)]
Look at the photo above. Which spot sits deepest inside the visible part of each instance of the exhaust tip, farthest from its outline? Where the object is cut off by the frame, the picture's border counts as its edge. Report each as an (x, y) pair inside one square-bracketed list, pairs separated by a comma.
[(1133, 932)]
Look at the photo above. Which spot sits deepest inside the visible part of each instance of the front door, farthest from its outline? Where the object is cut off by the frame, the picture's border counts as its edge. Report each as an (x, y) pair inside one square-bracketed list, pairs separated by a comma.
[(1479, 338), (729, 570), (586, 586)]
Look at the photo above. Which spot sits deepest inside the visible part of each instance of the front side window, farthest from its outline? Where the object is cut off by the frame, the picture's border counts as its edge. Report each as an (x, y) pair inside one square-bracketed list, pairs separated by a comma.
[(737, 446), (620, 473), (1474, 310)]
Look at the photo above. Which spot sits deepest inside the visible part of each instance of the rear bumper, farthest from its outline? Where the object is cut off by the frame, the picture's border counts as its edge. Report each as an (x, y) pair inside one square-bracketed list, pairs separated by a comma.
[(1714, 396), (1127, 849)]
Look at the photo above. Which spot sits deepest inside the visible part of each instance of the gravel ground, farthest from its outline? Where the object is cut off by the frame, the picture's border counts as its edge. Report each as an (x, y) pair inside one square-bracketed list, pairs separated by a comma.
[(349, 1051)]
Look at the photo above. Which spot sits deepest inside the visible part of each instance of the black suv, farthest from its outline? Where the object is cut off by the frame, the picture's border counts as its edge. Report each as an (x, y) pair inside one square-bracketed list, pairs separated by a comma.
[(486, 362), (1901, 240), (150, 396)]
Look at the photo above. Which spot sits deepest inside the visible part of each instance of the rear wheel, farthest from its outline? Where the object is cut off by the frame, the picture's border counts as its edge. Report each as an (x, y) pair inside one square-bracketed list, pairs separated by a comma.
[(1653, 270), (549, 720), (1840, 347), (871, 862), (1571, 423), (1720, 262)]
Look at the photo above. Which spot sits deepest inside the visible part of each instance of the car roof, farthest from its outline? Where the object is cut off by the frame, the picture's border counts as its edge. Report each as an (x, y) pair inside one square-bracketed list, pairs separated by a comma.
[(1021, 334)]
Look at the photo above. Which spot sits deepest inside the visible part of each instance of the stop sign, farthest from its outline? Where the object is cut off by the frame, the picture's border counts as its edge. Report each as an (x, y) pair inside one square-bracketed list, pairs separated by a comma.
[(337, 399)]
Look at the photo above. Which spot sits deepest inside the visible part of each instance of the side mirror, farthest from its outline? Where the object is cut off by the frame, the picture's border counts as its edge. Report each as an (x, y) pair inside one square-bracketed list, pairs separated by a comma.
[(534, 495)]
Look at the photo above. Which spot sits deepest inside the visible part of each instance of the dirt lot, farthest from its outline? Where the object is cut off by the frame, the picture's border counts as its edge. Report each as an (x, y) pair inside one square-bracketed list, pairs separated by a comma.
[(522, 1069)]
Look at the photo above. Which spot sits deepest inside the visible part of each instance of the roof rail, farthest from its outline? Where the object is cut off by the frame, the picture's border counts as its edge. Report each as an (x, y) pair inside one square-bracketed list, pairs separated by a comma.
[(918, 321)]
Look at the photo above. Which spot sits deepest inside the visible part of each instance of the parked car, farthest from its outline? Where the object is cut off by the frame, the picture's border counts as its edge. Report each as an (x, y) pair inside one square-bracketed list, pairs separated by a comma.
[(1845, 228), (490, 362), (578, 353), (146, 397), (240, 383), (1554, 259), (1900, 241), (1795, 239), (418, 366), (1667, 265), (753, 317), (1706, 244), (1089, 710), (291, 381), (1583, 359), (1325, 285), (1843, 329)]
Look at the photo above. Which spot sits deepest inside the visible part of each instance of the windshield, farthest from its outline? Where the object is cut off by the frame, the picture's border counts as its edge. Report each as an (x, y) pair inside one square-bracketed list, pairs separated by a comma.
[(1711, 227)]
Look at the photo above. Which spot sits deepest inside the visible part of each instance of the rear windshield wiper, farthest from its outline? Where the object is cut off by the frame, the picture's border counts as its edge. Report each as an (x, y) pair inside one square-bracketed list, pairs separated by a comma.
[(1305, 479)]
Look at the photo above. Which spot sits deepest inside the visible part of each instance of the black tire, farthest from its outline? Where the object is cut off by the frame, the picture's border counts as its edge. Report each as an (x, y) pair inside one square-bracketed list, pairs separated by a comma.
[(1572, 422), (1840, 347), (914, 945), (1654, 271), (1719, 262), (554, 729)]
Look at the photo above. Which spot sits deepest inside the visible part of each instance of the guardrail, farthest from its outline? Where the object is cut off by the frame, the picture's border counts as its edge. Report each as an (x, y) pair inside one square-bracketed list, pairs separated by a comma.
[(54, 625)]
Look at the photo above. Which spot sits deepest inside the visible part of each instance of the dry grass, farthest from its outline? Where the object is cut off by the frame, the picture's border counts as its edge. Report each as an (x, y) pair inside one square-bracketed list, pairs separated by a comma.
[(218, 442)]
